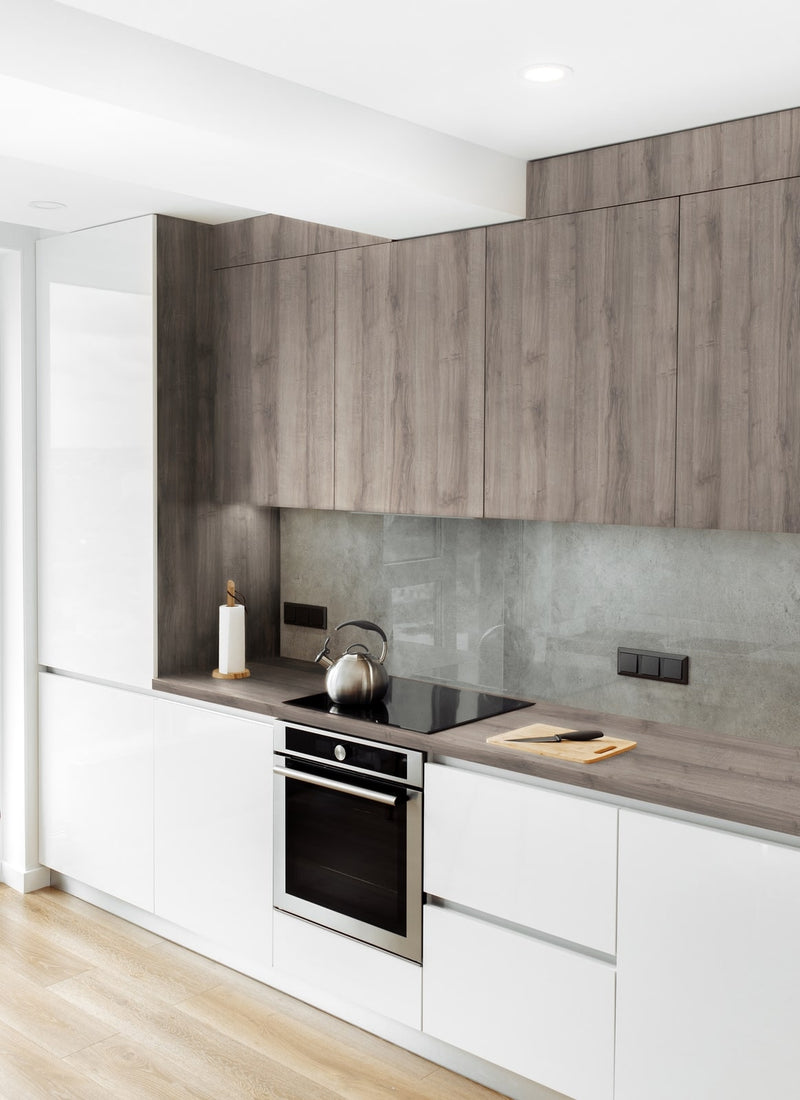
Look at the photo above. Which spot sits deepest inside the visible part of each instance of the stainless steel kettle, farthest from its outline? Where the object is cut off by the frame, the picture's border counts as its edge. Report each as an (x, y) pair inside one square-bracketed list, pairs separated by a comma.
[(357, 677)]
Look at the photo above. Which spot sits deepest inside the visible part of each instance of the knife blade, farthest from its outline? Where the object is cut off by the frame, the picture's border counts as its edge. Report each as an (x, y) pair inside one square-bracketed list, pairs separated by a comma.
[(568, 735)]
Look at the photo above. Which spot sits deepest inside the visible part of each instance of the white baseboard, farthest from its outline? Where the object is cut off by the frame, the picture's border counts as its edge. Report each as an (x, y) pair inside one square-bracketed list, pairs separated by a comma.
[(24, 882)]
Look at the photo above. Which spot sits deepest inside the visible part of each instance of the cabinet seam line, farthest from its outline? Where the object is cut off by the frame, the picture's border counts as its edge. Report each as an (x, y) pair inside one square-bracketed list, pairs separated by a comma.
[(677, 372), (485, 354)]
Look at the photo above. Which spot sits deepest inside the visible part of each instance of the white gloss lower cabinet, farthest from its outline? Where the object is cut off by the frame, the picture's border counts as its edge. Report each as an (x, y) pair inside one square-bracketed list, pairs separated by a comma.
[(213, 827), (535, 1008), (539, 858), (708, 964), (96, 786)]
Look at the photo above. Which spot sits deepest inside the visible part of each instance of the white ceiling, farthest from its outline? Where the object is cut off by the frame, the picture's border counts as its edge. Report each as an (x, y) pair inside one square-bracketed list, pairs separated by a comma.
[(391, 119)]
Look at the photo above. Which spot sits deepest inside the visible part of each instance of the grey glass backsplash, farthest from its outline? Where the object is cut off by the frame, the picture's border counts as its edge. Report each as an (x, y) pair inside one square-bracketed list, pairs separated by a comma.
[(538, 609)]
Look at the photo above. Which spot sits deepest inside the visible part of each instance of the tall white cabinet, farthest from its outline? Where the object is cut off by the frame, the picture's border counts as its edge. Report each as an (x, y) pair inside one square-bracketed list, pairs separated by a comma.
[(96, 369)]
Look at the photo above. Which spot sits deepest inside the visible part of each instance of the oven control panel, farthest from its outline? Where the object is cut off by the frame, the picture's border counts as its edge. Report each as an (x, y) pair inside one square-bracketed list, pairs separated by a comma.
[(368, 757)]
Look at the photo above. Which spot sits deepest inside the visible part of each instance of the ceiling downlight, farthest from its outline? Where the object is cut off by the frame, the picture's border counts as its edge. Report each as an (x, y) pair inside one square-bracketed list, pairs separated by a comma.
[(547, 72)]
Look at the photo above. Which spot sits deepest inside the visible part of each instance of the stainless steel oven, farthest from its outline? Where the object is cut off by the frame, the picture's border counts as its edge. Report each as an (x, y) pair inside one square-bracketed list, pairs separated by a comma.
[(348, 836)]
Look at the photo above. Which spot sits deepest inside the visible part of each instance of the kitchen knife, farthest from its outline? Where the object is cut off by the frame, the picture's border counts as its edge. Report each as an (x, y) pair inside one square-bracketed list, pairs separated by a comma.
[(567, 735)]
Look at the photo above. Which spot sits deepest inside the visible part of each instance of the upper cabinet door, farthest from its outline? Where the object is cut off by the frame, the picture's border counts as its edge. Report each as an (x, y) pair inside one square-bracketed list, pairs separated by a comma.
[(739, 359), (410, 375), (581, 355), (275, 398), (96, 369)]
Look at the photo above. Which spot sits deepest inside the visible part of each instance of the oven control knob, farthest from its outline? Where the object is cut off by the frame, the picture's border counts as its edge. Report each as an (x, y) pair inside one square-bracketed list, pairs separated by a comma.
[(340, 752)]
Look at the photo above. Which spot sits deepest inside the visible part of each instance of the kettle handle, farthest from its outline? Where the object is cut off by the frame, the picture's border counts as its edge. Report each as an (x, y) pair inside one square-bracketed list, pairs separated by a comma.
[(369, 626)]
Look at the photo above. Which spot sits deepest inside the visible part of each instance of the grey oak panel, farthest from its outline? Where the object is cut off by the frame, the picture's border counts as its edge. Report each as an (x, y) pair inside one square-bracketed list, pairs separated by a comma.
[(739, 359), (728, 154), (186, 371), (730, 778), (275, 343), (409, 376), (200, 542), (185, 428), (272, 237), (580, 366)]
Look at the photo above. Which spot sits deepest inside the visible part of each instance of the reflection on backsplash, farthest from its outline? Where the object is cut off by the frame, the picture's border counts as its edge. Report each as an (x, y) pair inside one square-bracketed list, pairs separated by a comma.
[(538, 610)]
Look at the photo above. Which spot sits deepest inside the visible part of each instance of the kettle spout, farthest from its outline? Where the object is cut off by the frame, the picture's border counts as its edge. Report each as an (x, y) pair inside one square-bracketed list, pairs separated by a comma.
[(322, 657)]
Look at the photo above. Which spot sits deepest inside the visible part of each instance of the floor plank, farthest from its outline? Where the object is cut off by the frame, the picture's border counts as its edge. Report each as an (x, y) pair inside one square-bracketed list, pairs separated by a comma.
[(59, 908), (127, 1070), (34, 1012), (362, 1044), (206, 1058), (31, 953), (162, 973), (310, 1050), (92, 1007), (306, 1049), (30, 1072)]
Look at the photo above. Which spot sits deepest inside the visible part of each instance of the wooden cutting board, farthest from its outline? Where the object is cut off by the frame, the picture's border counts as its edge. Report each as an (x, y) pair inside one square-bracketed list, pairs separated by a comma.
[(579, 752)]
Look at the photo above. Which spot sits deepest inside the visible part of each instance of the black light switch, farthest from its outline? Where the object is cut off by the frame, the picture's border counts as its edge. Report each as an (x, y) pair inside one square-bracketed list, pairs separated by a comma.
[(649, 665), (645, 664), (675, 669), (627, 662)]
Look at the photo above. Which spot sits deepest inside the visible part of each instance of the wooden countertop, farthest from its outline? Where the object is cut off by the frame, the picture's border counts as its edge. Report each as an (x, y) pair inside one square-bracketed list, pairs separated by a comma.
[(723, 777)]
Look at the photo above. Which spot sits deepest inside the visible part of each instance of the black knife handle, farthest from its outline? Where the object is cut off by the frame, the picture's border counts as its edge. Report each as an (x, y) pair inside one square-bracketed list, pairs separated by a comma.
[(580, 735)]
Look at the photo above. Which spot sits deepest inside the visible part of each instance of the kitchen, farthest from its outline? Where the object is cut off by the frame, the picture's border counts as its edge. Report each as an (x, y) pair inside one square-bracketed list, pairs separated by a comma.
[(557, 595)]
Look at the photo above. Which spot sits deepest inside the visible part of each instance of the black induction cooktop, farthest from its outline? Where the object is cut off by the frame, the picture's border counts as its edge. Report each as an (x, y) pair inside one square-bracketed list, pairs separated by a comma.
[(418, 706)]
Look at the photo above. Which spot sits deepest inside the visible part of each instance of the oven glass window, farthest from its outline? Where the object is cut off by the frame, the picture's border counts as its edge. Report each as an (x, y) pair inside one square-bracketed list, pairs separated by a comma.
[(345, 853)]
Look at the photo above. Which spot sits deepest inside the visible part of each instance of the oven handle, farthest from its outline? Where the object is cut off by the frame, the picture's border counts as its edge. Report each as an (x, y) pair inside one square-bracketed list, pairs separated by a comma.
[(335, 785)]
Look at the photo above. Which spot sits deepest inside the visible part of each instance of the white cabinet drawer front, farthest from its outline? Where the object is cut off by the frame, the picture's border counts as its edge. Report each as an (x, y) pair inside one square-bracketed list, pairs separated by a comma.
[(213, 826), (536, 1009), (709, 969), (343, 968), (540, 859), (96, 786)]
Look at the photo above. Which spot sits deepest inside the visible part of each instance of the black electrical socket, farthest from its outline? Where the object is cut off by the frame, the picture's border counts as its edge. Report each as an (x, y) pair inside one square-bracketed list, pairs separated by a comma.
[(305, 614)]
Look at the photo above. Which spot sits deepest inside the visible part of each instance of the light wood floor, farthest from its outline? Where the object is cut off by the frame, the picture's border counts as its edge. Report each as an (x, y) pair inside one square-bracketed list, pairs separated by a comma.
[(92, 1007)]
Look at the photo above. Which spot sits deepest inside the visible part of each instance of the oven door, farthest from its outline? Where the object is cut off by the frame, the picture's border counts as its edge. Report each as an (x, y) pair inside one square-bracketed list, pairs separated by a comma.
[(348, 853)]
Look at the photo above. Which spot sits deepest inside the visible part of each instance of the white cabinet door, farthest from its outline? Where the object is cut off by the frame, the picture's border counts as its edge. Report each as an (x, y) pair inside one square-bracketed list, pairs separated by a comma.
[(213, 827), (537, 1009), (541, 859), (708, 964), (96, 786), (96, 358)]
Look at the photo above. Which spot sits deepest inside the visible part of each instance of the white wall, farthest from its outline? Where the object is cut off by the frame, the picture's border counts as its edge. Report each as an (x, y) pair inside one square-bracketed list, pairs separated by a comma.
[(19, 866)]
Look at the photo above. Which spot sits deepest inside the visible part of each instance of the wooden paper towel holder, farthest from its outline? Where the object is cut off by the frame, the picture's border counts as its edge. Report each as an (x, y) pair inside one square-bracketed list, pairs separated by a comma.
[(231, 601)]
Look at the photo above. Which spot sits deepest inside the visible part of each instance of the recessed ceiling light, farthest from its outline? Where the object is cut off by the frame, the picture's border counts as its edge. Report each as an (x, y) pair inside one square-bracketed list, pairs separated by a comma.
[(547, 72), (47, 204)]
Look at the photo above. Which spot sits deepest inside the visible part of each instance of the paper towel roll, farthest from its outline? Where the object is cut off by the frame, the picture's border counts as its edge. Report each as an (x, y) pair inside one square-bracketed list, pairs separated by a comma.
[(231, 639)]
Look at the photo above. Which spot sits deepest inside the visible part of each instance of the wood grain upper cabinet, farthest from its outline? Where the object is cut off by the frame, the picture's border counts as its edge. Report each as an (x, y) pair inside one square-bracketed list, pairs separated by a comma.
[(739, 359), (275, 400), (410, 375), (581, 355)]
